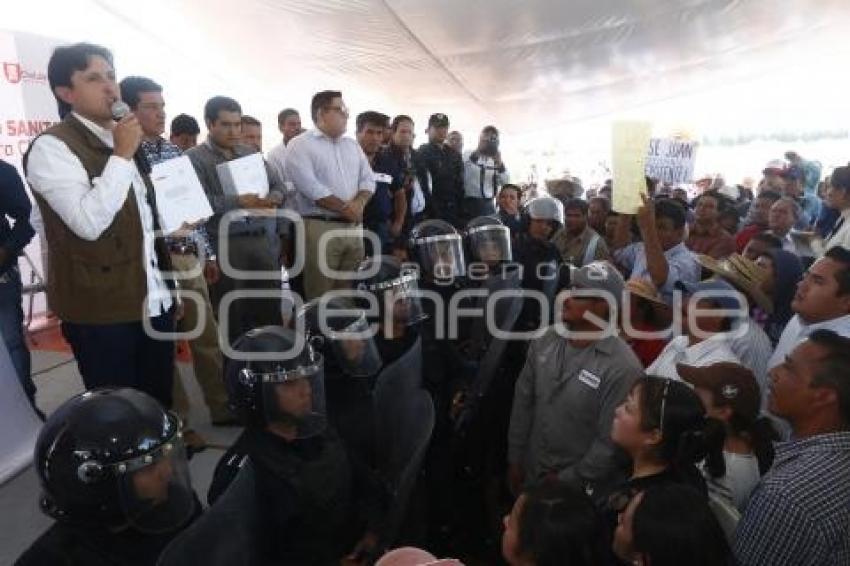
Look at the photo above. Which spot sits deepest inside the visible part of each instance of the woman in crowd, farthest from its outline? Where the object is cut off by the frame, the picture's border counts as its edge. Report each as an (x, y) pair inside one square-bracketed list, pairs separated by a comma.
[(662, 426), (784, 272), (509, 205), (731, 395), (670, 525), (553, 524)]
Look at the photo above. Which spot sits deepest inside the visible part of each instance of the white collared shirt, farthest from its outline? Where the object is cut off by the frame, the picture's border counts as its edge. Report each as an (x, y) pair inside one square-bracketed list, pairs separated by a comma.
[(842, 236), (796, 331), (712, 350), (753, 348), (320, 166), (88, 208)]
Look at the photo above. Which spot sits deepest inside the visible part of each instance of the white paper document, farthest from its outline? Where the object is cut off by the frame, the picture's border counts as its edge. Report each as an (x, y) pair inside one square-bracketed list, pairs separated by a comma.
[(180, 197), (244, 176)]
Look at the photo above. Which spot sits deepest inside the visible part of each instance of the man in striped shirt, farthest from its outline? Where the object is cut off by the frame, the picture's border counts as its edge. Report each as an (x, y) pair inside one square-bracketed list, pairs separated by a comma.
[(799, 514)]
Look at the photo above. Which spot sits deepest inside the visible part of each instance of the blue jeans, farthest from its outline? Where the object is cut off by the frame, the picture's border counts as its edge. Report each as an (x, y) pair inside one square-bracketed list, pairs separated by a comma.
[(11, 327)]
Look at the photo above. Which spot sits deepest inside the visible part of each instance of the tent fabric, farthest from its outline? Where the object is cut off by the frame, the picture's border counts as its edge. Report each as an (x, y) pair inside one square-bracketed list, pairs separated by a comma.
[(526, 65)]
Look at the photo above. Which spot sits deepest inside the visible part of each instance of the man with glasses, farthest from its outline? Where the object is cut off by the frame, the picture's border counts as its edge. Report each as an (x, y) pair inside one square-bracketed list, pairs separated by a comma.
[(333, 183), (567, 392)]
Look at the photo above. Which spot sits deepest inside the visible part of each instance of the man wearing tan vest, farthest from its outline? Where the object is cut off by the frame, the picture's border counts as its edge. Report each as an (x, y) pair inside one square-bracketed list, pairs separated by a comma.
[(105, 265)]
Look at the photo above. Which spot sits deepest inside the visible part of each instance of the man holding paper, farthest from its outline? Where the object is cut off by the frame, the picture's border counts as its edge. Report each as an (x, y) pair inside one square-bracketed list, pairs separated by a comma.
[(333, 183), (192, 257), (226, 168)]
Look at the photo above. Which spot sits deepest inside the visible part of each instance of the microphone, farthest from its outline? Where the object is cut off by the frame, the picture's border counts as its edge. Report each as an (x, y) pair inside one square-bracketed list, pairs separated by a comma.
[(120, 109)]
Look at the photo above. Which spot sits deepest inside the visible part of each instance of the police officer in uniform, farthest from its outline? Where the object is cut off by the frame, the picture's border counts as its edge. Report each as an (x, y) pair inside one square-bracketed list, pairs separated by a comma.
[(444, 167), (114, 474), (301, 469)]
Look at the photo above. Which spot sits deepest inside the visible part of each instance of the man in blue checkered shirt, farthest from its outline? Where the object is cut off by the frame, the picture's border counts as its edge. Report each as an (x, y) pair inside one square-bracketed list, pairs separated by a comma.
[(192, 256), (799, 514)]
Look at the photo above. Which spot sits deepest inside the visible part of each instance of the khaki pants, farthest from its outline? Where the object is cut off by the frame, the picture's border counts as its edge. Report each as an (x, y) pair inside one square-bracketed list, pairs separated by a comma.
[(206, 354), (342, 253)]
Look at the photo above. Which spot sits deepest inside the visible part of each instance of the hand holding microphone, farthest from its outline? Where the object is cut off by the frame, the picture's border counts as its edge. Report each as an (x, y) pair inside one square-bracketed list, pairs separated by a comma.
[(127, 135)]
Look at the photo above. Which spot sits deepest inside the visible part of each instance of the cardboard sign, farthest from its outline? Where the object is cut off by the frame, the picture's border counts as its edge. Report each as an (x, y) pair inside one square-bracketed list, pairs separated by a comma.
[(671, 160), (629, 145)]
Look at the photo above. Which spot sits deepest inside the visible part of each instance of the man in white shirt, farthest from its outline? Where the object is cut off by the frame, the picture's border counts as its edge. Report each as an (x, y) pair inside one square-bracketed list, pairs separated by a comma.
[(822, 302), (333, 183), (704, 340), (100, 217), (289, 124), (484, 173)]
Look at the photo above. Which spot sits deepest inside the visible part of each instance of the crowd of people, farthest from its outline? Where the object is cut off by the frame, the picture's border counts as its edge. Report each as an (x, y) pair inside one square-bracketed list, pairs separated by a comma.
[(421, 352)]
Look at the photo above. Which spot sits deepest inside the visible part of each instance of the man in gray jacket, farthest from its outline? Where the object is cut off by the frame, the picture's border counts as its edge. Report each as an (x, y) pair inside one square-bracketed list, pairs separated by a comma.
[(567, 392)]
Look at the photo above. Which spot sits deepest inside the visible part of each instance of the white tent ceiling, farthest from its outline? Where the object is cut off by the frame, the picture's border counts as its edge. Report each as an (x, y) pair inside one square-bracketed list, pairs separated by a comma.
[(539, 69)]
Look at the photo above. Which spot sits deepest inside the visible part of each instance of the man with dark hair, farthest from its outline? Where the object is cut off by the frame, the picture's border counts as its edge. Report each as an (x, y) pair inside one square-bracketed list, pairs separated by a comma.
[(184, 132), (455, 141), (289, 124), (445, 168), (662, 256), (757, 216), (14, 237), (576, 241), (252, 239), (760, 244), (798, 513), (706, 235), (597, 213), (809, 203), (192, 257), (100, 218), (414, 177), (252, 132), (333, 183), (483, 176), (822, 302), (386, 211)]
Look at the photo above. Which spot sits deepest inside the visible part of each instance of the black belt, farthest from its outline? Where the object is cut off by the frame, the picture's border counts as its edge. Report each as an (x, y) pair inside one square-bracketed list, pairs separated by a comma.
[(324, 218)]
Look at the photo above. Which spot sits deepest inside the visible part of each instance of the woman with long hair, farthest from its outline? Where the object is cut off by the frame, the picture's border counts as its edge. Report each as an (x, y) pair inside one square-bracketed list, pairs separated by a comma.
[(731, 395)]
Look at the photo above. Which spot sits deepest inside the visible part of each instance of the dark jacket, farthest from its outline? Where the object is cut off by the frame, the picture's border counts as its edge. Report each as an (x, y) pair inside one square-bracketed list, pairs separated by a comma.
[(14, 204), (445, 167)]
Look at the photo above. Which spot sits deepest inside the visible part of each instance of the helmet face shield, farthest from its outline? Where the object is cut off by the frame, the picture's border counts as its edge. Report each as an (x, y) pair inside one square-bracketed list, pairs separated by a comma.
[(490, 244), (442, 255), (294, 400), (155, 490), (355, 350)]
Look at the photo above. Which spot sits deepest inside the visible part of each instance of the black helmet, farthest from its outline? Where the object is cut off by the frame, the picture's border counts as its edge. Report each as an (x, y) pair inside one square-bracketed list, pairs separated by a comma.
[(488, 240), (343, 331), (277, 378), (115, 458), (438, 248), (395, 287)]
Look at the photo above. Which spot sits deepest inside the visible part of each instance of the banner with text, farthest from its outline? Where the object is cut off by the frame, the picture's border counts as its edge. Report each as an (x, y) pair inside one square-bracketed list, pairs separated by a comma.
[(671, 160)]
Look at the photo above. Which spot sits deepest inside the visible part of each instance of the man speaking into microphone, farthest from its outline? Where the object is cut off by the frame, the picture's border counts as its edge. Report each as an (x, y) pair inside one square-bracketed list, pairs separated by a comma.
[(105, 263)]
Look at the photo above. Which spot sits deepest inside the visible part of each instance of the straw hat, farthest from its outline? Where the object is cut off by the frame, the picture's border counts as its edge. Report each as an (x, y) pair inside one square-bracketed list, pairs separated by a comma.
[(743, 273), (645, 289)]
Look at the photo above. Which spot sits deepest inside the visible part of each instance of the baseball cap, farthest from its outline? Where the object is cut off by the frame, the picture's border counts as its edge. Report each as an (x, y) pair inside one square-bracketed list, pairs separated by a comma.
[(718, 290), (438, 120), (732, 384), (599, 276)]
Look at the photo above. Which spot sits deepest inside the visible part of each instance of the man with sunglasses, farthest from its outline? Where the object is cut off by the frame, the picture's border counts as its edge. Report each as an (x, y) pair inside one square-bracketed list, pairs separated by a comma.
[(333, 183), (566, 394)]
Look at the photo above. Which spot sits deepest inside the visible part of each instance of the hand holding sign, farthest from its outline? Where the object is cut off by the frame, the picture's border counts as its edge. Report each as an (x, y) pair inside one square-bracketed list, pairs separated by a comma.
[(630, 141)]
